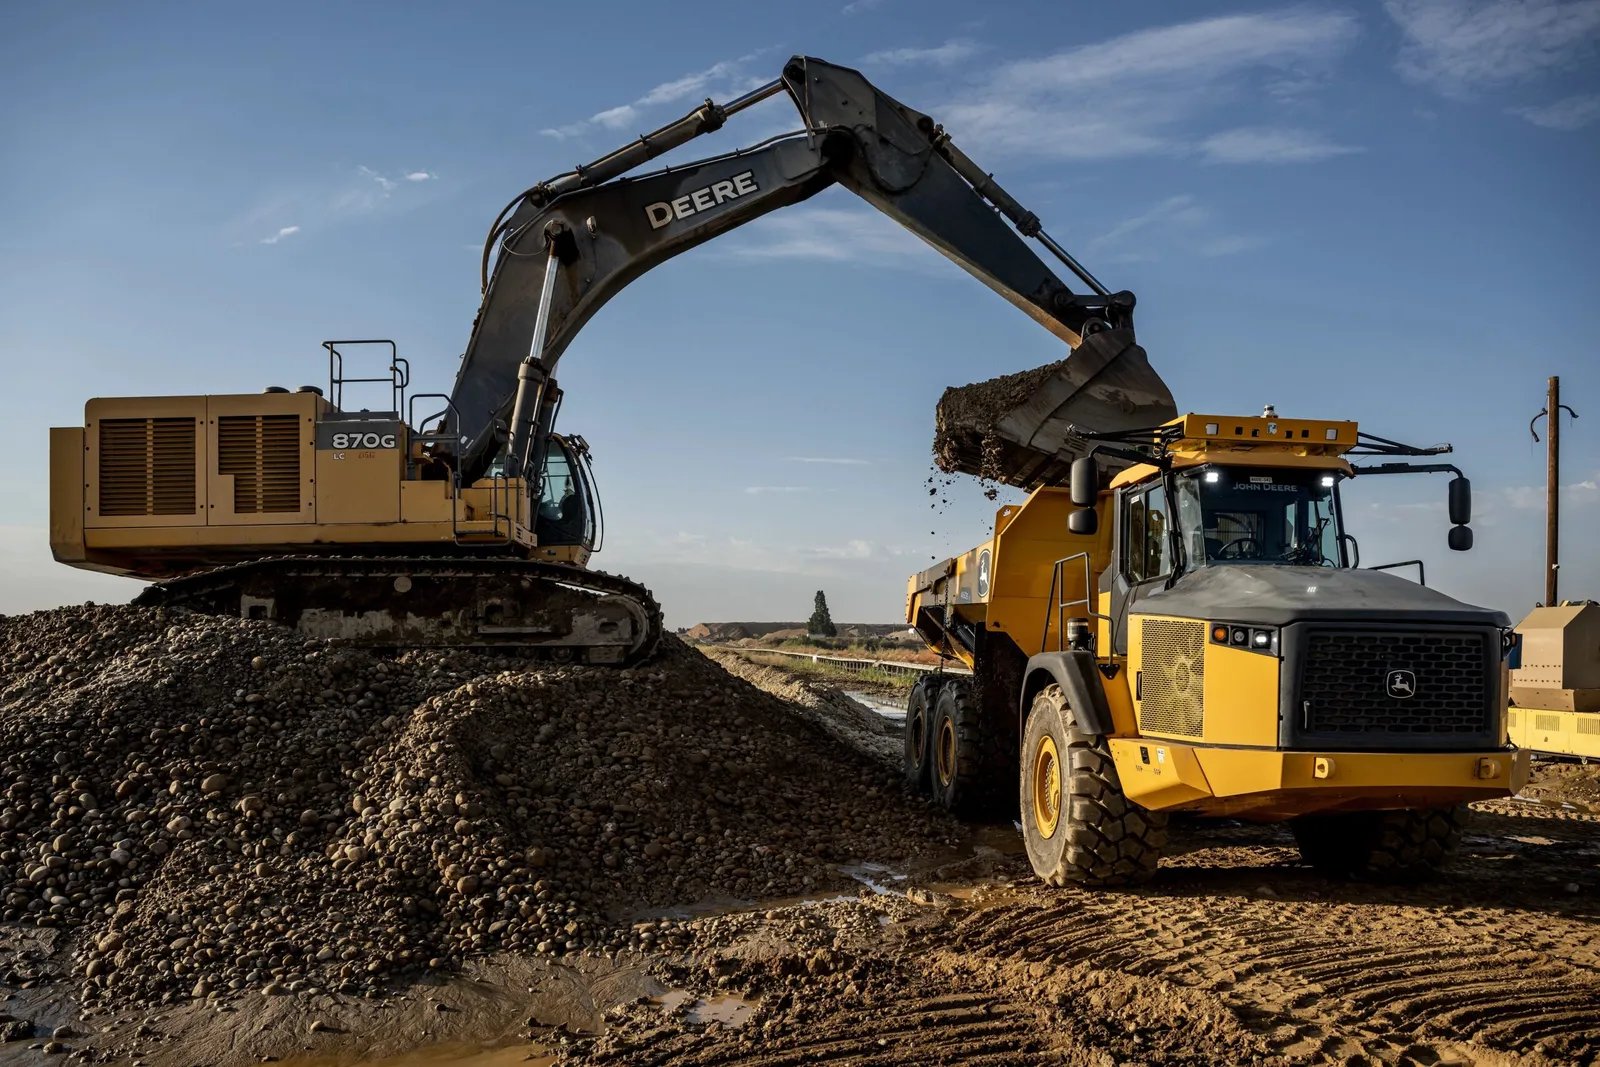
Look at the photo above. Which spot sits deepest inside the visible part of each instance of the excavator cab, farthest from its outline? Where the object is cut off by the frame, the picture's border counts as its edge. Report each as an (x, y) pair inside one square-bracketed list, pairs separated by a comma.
[(568, 512)]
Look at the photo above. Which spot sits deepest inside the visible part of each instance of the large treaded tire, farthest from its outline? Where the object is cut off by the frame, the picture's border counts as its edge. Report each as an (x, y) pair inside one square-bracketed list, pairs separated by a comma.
[(964, 774), (918, 751), (1099, 837), (1382, 846)]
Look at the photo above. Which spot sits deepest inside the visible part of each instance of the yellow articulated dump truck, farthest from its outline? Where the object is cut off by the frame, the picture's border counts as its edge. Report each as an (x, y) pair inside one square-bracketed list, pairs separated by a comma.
[(1187, 627)]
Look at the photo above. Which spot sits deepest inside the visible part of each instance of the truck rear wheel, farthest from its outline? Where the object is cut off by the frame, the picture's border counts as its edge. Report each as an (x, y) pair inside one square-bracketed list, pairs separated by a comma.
[(919, 733), (964, 780), (1076, 822), (1381, 846)]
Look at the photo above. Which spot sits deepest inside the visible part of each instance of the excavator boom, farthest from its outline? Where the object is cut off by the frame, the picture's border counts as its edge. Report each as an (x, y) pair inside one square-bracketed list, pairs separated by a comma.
[(604, 229), (260, 505)]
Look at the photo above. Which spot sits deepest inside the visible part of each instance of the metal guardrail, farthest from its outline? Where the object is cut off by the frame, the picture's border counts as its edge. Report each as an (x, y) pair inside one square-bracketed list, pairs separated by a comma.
[(848, 663)]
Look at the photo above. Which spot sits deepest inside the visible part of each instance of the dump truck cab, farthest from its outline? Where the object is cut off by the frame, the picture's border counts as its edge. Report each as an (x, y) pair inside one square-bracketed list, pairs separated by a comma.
[(1197, 625)]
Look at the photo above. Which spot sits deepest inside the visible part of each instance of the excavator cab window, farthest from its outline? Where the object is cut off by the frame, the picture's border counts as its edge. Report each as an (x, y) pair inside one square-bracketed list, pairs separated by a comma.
[(565, 515)]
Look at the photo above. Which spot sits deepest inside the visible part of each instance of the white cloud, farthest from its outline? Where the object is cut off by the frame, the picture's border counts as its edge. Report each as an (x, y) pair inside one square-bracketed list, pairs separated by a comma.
[(1175, 210), (825, 459), (727, 74), (1138, 94), (1574, 494), (942, 55), (756, 490), (854, 549), (385, 184), (1260, 144), (339, 196), (287, 231), (838, 235), (1572, 113), (1176, 224), (1458, 47), (860, 7)]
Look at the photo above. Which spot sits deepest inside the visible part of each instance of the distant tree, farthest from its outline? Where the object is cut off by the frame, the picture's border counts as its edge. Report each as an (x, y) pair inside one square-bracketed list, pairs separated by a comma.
[(821, 622)]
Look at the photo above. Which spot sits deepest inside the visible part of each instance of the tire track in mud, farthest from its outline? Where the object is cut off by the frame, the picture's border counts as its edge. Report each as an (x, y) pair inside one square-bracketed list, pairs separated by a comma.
[(917, 1026), (1237, 953), (1368, 975)]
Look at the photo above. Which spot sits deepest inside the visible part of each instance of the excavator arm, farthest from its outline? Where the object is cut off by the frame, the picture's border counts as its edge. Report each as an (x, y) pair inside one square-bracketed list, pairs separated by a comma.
[(568, 245)]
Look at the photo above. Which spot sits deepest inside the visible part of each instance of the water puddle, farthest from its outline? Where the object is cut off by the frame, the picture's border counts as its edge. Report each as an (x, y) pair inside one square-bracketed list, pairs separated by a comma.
[(983, 845), (882, 879), (883, 705), (731, 1012), (454, 1053)]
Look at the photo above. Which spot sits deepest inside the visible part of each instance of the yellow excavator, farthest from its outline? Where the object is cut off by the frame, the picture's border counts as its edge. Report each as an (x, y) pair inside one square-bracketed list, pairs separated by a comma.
[(1176, 620), (473, 525)]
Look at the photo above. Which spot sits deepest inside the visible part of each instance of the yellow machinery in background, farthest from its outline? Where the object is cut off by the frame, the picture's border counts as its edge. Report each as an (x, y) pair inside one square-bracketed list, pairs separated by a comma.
[(1556, 689), (1198, 636)]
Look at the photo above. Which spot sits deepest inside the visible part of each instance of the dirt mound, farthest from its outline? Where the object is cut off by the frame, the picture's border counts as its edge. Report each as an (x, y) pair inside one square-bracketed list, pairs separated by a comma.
[(215, 805), (836, 714), (1565, 783)]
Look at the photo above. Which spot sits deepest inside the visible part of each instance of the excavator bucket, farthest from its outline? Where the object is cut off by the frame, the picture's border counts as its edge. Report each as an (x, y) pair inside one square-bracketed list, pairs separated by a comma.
[(1025, 429)]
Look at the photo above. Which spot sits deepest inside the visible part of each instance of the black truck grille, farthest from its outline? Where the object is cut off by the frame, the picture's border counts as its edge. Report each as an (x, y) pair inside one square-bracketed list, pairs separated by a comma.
[(1349, 683)]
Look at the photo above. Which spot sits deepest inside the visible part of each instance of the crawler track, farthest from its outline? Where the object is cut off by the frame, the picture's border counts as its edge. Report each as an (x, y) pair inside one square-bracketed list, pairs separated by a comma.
[(541, 608)]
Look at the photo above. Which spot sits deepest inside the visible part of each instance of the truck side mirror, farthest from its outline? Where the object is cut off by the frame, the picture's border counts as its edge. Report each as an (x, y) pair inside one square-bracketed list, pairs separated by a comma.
[(1085, 482), (1460, 539), (1460, 502), (1086, 521)]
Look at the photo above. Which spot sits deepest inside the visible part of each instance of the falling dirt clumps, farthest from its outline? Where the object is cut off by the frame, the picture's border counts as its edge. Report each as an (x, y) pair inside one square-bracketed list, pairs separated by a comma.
[(964, 437), (206, 806)]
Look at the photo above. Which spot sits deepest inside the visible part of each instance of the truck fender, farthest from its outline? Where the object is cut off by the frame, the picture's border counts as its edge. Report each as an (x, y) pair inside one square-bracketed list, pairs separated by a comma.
[(1076, 674)]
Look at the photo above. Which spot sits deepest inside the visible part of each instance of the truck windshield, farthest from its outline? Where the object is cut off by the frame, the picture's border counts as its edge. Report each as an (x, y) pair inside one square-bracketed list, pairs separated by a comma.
[(1258, 515)]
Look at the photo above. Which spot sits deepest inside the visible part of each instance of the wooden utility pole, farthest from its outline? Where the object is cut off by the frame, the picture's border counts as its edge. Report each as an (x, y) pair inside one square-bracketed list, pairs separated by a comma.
[(1552, 487)]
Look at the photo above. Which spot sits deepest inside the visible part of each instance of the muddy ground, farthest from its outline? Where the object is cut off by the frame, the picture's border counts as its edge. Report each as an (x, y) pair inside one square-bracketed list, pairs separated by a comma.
[(1236, 953)]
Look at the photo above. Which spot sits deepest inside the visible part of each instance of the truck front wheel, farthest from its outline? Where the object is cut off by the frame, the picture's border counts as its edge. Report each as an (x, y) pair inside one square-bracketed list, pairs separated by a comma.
[(1381, 846), (1076, 822)]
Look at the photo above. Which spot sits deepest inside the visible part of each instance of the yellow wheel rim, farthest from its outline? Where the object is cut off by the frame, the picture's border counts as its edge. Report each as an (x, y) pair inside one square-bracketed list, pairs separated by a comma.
[(945, 754), (1046, 787)]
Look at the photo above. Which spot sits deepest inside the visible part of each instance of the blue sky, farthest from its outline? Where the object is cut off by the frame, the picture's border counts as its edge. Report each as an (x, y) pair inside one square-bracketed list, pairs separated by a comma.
[(1383, 212)]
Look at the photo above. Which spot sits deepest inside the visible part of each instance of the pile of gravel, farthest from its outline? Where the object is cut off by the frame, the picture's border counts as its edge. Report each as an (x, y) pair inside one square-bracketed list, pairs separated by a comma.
[(210, 805)]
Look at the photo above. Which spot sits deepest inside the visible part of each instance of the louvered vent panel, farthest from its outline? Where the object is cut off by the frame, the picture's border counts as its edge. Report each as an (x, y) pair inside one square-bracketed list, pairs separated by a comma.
[(262, 452), (1548, 724), (1173, 679), (147, 467), (1588, 724)]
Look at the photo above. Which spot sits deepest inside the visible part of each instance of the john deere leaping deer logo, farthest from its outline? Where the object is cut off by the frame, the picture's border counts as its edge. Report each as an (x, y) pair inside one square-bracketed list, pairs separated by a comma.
[(1401, 685)]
